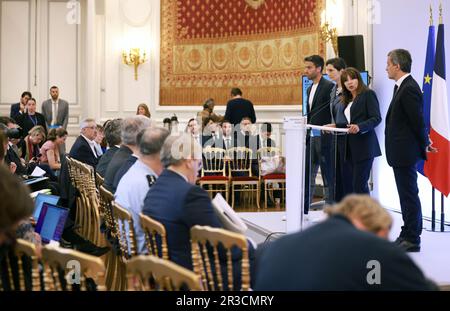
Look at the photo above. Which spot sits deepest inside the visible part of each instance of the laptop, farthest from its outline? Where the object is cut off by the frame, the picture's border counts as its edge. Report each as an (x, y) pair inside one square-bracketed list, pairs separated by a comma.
[(50, 224), (40, 199)]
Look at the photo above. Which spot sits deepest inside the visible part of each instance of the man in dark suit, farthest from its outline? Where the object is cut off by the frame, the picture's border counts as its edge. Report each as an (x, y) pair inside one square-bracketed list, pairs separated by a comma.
[(112, 135), (318, 145), (238, 108), (347, 252), (406, 143), (176, 202), (19, 108), (127, 152), (83, 149)]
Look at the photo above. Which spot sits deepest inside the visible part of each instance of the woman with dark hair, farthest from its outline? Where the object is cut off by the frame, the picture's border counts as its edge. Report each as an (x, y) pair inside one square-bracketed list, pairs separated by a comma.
[(50, 149), (143, 110), (362, 115), (31, 118)]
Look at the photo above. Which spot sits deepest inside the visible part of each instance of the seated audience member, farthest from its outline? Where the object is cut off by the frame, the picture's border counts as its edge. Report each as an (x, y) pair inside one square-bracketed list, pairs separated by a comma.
[(19, 108), (227, 137), (134, 185), (266, 133), (211, 134), (15, 205), (176, 202), (31, 118), (112, 136), (245, 138), (12, 158), (83, 149), (336, 255), (128, 151), (195, 131), (3, 145), (207, 113), (50, 149), (99, 141), (30, 144), (143, 110)]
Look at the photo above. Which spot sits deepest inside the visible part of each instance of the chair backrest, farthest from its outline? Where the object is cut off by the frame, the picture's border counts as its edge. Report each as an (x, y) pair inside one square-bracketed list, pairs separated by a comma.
[(99, 180), (203, 238), (64, 267), (124, 230), (240, 160), (153, 273), (22, 270), (214, 161), (153, 229), (106, 199)]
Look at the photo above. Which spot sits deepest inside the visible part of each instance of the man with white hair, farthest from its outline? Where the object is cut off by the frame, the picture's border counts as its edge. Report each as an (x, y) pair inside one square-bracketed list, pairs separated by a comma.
[(128, 152), (176, 202), (83, 149), (134, 185)]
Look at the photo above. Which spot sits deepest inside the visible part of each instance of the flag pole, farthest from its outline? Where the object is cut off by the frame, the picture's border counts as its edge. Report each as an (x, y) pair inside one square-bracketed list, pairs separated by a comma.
[(433, 210), (442, 213)]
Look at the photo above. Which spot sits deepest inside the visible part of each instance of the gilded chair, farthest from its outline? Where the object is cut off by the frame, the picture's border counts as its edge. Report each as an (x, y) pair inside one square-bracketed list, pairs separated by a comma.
[(145, 273), (154, 229), (22, 268), (64, 268), (207, 245), (99, 180), (271, 155), (240, 172), (214, 171), (125, 231)]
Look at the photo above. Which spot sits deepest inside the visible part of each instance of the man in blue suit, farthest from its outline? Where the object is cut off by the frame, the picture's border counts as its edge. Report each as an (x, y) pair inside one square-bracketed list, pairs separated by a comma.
[(83, 149), (19, 108), (176, 202)]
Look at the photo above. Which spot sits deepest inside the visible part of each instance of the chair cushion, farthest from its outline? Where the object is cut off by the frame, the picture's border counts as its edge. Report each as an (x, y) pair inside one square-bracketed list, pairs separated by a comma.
[(244, 178), (212, 177), (274, 176)]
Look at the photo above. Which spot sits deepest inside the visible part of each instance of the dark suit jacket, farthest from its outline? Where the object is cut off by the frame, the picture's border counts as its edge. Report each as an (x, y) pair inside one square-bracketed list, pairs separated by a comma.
[(364, 112), (105, 159), (406, 138), (81, 151), (178, 205), (119, 158), (12, 157), (14, 113), (333, 256), (319, 114), (238, 108), (27, 124)]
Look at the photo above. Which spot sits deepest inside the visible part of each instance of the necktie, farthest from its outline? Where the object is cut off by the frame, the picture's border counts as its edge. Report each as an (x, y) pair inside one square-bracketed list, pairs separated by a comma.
[(227, 143), (54, 112), (395, 90)]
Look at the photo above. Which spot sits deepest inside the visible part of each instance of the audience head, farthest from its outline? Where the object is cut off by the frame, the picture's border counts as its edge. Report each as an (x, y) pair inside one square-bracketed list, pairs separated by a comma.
[(57, 136), (15, 205), (209, 105), (365, 213), (236, 92), (211, 125), (36, 135), (334, 68), (3, 142), (183, 154), (246, 124), (152, 141), (131, 127), (54, 92), (88, 128), (100, 137), (143, 110), (266, 130), (13, 131), (227, 128), (25, 97), (314, 66), (113, 132), (399, 63), (352, 83), (192, 127), (31, 106)]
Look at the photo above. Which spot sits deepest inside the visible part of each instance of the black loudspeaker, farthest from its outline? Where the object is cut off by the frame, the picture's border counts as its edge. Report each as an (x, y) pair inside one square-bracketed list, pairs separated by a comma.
[(351, 49)]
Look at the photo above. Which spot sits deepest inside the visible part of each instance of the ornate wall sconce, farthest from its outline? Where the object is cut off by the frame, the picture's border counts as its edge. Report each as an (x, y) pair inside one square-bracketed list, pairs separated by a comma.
[(328, 33), (134, 58)]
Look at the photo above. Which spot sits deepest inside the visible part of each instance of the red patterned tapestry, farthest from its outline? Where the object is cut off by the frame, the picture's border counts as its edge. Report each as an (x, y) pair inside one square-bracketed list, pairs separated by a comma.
[(210, 46)]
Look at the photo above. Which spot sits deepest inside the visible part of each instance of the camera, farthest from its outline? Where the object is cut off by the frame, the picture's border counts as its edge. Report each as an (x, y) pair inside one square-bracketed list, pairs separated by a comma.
[(14, 133)]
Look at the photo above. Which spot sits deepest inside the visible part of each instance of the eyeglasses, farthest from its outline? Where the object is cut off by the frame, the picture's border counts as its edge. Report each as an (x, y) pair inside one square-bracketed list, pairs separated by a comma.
[(90, 127)]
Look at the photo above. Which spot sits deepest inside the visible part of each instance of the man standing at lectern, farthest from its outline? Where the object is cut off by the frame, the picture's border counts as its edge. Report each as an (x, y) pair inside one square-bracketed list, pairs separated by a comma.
[(406, 143), (318, 145)]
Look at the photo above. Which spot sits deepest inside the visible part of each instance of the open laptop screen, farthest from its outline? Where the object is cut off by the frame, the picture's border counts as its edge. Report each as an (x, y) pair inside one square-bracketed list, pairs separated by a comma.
[(40, 199), (50, 224)]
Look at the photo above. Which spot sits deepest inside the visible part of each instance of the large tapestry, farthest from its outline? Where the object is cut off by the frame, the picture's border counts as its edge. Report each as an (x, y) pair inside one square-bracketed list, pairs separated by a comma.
[(210, 46)]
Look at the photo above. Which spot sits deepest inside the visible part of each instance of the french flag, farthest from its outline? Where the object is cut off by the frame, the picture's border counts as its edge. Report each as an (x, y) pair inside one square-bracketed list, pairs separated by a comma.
[(437, 166)]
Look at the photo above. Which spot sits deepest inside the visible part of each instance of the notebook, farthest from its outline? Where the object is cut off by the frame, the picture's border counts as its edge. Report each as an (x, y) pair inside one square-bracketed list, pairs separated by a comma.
[(50, 224), (40, 199)]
